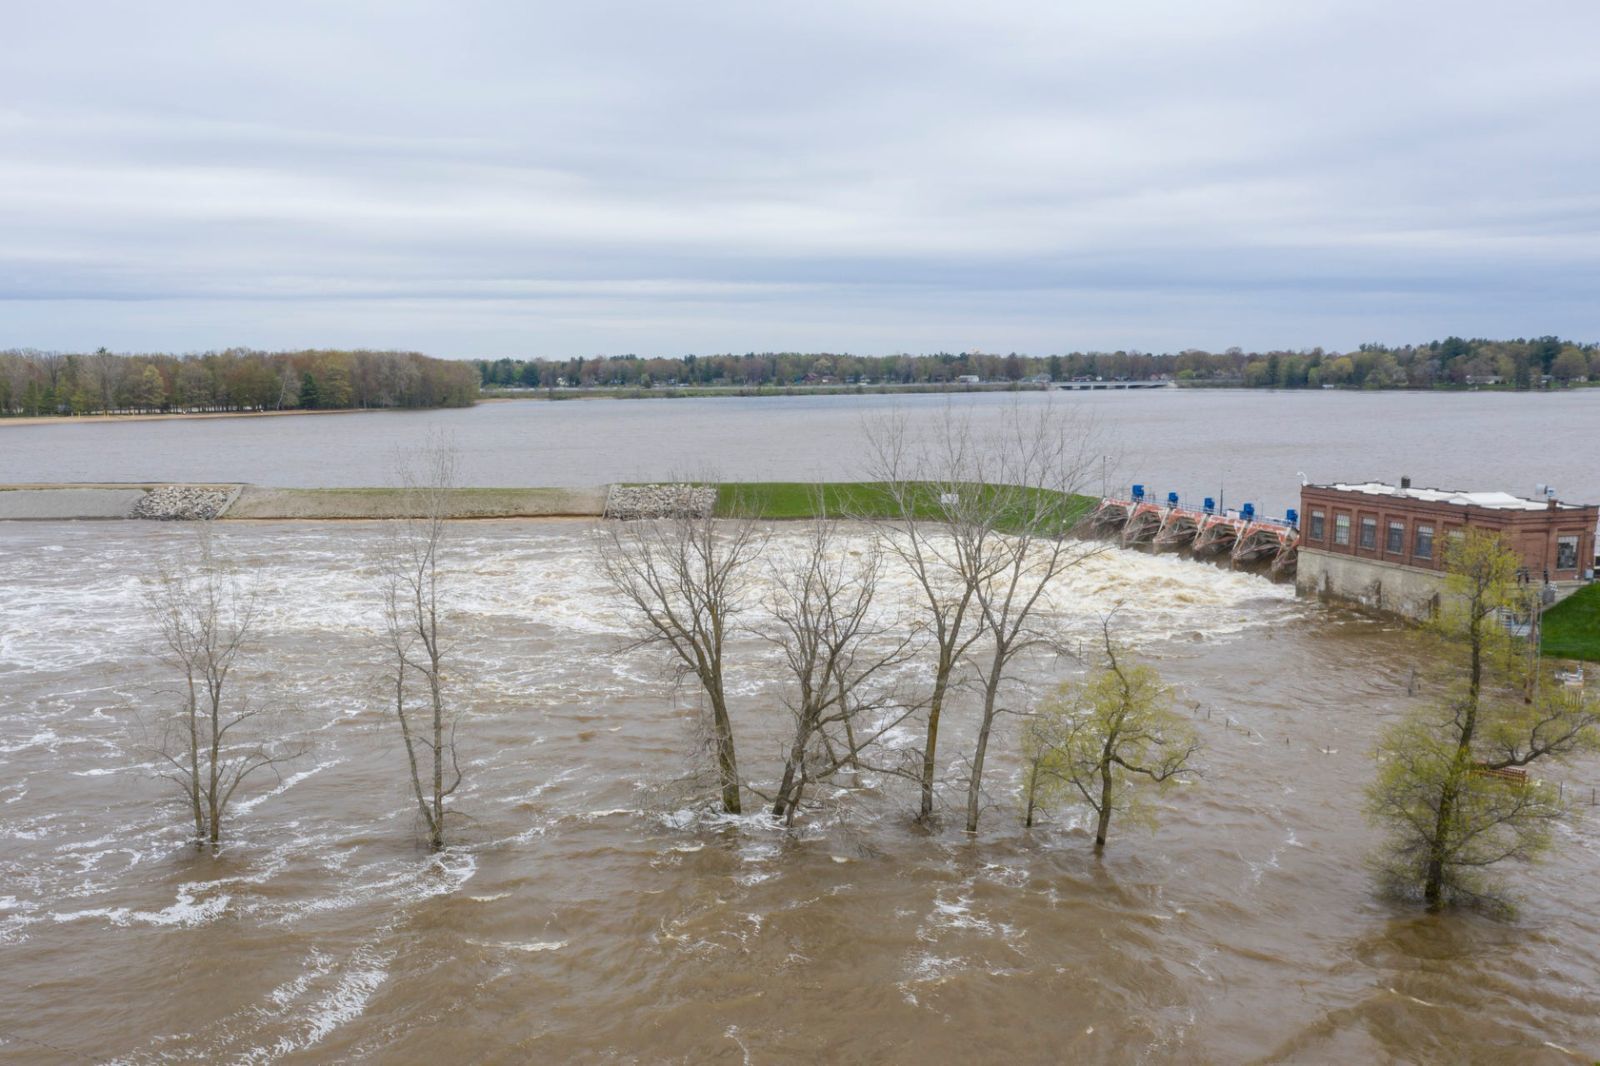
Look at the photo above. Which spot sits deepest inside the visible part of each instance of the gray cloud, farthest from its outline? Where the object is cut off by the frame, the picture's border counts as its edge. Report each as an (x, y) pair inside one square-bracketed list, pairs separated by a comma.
[(480, 178)]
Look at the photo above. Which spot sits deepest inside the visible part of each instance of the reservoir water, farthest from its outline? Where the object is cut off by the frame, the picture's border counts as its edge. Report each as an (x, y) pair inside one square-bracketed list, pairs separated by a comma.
[(1234, 444), (592, 909)]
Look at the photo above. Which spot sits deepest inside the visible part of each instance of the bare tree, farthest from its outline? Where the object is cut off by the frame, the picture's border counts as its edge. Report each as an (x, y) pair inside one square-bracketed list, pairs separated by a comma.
[(686, 575), (983, 521), (922, 487), (413, 603), (836, 653), (216, 739), (1017, 544), (1095, 741)]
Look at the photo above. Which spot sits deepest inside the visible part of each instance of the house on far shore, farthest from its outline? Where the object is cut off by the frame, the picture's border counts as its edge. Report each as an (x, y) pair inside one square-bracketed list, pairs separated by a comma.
[(1382, 546), (968, 379)]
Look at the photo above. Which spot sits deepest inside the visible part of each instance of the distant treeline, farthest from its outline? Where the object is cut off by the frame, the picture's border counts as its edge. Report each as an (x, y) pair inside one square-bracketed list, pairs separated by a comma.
[(1450, 362), (52, 383)]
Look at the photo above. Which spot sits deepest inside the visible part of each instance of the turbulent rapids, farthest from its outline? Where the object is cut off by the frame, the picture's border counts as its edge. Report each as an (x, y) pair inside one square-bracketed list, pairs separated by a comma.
[(593, 909)]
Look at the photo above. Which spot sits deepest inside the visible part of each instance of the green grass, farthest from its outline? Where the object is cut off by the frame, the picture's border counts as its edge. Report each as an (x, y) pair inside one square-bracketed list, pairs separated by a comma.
[(1571, 629), (868, 499)]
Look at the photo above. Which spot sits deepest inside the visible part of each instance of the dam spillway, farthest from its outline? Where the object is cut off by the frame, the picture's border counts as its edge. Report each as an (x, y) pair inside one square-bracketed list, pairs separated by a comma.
[(1241, 536)]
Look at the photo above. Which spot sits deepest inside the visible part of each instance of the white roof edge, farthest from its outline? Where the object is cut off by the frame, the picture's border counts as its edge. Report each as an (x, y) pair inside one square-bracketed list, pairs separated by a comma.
[(1494, 501)]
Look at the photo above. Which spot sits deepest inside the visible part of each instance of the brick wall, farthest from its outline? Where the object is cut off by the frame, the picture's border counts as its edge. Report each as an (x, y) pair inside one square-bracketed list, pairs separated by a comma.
[(1403, 531)]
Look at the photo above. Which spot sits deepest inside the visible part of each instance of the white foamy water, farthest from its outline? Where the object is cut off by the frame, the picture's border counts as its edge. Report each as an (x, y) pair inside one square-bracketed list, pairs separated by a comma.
[(590, 878)]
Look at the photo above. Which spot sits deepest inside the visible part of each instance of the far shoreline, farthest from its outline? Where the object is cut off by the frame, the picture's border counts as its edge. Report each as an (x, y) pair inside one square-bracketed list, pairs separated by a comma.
[(700, 392)]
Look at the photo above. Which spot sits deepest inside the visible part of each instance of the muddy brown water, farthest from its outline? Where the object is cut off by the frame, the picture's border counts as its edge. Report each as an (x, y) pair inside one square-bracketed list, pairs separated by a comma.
[(592, 909)]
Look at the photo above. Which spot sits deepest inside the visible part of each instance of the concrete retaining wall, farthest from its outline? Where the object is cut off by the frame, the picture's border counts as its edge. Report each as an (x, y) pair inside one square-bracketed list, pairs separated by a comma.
[(1381, 586), (69, 503), (264, 503), (1369, 583), (193, 502)]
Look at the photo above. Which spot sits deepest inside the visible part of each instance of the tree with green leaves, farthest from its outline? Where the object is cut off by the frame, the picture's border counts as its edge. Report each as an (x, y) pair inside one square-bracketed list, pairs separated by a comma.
[(1453, 790), (1106, 741), (149, 390)]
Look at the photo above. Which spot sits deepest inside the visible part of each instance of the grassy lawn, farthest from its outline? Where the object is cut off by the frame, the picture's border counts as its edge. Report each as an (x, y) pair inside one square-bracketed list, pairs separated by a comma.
[(1572, 627), (863, 499)]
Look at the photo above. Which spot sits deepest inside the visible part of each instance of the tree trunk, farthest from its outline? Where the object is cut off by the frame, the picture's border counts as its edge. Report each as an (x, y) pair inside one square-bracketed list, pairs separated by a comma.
[(436, 836), (194, 768), (1433, 886), (794, 804), (931, 747), (1460, 766), (213, 791), (782, 802), (727, 761), (1033, 791), (1103, 826), (849, 730), (975, 786)]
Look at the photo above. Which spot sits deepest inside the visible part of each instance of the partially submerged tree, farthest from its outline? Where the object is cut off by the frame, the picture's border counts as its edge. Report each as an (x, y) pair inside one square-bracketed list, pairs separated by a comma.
[(1106, 742), (1016, 542), (836, 653), (982, 522), (921, 484), (686, 577), (217, 738), (414, 626), (1453, 791)]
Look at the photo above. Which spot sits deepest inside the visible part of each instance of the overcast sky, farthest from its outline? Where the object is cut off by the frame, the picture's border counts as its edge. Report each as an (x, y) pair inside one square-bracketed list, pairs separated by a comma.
[(485, 179)]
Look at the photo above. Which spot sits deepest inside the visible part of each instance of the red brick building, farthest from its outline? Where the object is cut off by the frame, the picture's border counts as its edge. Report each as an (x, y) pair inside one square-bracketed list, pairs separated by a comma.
[(1377, 542)]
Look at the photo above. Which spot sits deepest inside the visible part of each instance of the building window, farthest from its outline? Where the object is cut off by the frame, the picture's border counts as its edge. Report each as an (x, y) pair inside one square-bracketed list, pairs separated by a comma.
[(1369, 534), (1317, 522), (1423, 547), (1396, 544), (1341, 529), (1566, 553)]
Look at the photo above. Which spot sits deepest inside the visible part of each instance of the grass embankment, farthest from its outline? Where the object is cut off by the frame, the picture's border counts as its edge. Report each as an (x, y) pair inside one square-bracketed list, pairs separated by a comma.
[(1571, 629), (870, 499)]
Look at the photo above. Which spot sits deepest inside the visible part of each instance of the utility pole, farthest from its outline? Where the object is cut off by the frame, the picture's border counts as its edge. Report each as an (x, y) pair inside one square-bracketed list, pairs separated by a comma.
[(1535, 639)]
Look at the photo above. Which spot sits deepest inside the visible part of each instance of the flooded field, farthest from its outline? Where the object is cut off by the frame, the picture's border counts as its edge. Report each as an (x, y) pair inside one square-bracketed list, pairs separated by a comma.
[(591, 910)]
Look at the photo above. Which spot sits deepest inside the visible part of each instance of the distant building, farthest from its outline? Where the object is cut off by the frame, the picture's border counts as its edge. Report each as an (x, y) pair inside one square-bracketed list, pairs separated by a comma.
[(968, 379), (1383, 545)]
